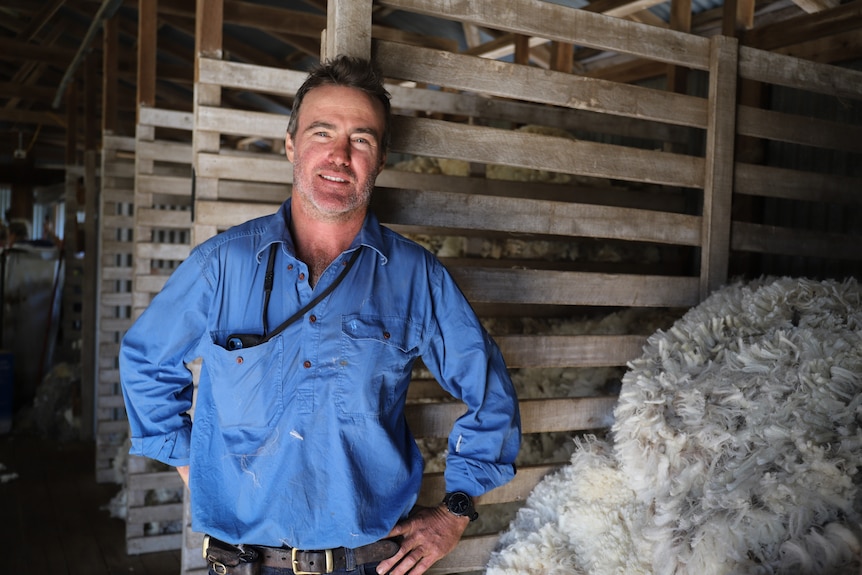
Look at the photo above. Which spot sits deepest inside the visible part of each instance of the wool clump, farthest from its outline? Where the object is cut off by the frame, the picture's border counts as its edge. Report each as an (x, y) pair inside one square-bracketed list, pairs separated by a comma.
[(735, 448)]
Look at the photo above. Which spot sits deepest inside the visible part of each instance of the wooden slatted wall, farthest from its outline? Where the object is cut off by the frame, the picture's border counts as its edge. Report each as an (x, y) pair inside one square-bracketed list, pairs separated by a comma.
[(162, 239), (113, 296), (797, 186), (673, 195)]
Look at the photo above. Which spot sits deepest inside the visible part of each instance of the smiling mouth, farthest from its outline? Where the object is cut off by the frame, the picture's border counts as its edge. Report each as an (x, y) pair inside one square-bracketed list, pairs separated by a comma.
[(334, 179)]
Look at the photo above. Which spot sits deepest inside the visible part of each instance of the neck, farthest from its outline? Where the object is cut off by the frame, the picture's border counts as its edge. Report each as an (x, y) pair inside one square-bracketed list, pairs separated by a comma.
[(319, 242)]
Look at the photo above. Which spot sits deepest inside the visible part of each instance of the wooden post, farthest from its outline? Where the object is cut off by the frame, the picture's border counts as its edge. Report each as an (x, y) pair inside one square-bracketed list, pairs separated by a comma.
[(147, 29), (737, 15), (91, 104), (110, 73), (522, 49), (209, 34), (680, 19), (718, 188), (562, 57), (348, 29), (72, 123), (89, 292)]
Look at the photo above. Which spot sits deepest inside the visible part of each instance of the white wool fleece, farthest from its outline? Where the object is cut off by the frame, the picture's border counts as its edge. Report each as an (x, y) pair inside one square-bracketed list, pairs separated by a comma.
[(578, 520), (736, 450)]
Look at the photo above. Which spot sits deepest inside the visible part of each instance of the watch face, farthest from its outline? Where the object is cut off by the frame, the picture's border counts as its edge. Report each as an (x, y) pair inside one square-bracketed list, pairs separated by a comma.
[(459, 504)]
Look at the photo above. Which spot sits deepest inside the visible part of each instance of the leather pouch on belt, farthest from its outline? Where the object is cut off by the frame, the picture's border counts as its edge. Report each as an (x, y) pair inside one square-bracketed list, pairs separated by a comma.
[(226, 559)]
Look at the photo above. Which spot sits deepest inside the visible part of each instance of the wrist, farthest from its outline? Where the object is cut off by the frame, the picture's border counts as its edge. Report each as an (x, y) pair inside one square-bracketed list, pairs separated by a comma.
[(460, 504)]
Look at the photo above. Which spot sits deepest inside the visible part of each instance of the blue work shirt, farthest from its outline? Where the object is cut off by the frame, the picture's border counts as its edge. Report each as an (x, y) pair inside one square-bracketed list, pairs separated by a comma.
[(302, 440)]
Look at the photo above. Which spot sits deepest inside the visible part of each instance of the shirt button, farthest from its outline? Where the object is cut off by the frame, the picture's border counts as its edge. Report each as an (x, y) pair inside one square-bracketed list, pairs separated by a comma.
[(289, 267), (386, 335), (312, 318), (306, 364), (239, 359), (301, 276)]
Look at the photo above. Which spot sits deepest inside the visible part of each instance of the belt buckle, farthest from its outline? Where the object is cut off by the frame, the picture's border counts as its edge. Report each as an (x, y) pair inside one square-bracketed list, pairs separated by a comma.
[(327, 554)]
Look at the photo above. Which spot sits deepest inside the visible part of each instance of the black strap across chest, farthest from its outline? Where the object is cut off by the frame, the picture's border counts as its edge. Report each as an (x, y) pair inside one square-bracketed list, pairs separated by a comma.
[(267, 289)]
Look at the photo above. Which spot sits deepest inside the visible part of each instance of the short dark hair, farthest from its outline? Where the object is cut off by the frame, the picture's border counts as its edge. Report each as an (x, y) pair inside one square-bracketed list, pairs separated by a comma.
[(349, 72)]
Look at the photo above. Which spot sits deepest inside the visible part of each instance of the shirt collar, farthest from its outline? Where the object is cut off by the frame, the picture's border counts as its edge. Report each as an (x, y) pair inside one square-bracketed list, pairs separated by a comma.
[(278, 231)]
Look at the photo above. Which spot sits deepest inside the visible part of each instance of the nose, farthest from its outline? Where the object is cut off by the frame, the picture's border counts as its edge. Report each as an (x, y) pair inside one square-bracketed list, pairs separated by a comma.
[(339, 152)]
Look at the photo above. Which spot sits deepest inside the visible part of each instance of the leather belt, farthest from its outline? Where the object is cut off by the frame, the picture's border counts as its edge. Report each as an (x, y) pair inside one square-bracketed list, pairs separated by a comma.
[(301, 562)]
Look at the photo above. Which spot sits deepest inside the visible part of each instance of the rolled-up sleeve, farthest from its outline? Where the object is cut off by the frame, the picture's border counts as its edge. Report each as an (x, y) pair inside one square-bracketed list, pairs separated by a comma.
[(485, 440), (157, 385)]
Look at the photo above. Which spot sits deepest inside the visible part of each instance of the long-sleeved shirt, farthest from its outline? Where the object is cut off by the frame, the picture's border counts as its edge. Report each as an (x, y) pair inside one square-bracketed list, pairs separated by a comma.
[(302, 440)]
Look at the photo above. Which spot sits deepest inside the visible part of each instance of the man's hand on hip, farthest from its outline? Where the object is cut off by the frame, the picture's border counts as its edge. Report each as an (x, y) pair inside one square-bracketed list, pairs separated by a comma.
[(427, 535)]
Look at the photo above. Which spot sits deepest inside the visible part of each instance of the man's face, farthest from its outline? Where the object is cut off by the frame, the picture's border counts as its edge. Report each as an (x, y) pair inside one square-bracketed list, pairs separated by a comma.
[(336, 154)]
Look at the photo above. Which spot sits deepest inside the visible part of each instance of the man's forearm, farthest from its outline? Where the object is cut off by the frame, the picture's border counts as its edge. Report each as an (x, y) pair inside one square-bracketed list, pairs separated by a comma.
[(183, 470)]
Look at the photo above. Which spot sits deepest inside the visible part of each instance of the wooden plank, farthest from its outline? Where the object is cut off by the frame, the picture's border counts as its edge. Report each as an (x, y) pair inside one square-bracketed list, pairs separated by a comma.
[(153, 543), (216, 213), (569, 350), (150, 284), (759, 238), (537, 85), (114, 144), (798, 129), (441, 139), (242, 123), (163, 151), (162, 118), (165, 219), (348, 29), (564, 24), (471, 554), (771, 182), (718, 190), (250, 77), (520, 215), (177, 252), (169, 185), (537, 415), (152, 513), (782, 70), (261, 192), (518, 286), (252, 168), (155, 480), (481, 106), (605, 195)]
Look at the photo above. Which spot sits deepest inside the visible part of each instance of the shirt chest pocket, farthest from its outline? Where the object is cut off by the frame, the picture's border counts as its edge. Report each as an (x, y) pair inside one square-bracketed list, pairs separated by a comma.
[(246, 386), (377, 355)]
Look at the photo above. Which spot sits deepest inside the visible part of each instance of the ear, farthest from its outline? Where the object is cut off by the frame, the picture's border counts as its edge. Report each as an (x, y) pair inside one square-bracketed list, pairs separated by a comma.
[(288, 147), (382, 163)]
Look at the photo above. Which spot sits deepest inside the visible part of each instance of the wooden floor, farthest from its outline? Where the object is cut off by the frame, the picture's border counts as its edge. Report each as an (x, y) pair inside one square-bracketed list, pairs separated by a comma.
[(51, 516)]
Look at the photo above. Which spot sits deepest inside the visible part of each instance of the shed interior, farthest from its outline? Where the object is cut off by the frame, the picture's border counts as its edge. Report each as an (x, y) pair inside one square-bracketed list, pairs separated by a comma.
[(587, 172)]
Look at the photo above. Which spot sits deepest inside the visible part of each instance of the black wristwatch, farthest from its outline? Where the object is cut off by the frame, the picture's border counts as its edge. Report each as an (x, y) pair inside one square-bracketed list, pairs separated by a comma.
[(460, 504)]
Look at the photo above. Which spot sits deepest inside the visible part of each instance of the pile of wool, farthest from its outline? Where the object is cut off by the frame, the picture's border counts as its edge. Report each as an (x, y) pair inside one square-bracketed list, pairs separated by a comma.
[(736, 448)]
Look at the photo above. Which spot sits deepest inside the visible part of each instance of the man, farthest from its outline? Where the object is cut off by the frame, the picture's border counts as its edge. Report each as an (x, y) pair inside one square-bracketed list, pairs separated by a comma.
[(300, 455)]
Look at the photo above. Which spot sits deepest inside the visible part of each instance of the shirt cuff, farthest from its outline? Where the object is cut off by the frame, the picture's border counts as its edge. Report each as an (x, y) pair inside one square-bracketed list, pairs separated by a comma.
[(171, 449), (475, 477)]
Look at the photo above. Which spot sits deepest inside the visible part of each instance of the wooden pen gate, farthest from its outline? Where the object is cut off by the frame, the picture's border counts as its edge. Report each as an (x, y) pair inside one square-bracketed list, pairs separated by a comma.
[(633, 215), (113, 296), (162, 239)]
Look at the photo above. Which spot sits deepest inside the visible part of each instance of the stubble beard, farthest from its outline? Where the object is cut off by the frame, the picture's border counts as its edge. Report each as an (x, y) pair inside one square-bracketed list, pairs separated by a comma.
[(356, 201)]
